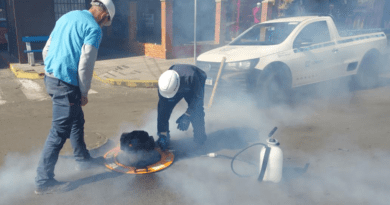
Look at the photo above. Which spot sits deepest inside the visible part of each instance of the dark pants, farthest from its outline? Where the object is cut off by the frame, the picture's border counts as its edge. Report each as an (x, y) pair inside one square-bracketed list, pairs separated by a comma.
[(68, 122), (165, 108)]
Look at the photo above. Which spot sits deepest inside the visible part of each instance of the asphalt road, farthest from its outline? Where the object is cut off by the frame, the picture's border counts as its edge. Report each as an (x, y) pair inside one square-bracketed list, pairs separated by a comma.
[(335, 144)]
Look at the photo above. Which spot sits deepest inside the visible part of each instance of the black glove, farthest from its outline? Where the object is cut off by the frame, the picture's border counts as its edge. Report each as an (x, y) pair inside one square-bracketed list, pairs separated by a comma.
[(183, 122)]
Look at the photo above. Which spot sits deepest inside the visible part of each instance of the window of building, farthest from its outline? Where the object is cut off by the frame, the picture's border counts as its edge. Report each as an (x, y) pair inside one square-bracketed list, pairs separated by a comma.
[(148, 21), (3, 14), (62, 7)]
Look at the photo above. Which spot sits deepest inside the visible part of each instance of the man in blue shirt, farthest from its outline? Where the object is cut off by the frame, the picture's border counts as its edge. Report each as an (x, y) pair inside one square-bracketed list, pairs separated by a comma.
[(69, 56)]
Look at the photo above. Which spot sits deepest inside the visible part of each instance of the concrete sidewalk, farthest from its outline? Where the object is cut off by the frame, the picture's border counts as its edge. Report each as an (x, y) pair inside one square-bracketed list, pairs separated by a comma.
[(138, 71), (134, 71)]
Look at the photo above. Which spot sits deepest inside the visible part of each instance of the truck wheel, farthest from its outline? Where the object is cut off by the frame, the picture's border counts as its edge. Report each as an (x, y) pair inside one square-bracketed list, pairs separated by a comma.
[(368, 74), (275, 88)]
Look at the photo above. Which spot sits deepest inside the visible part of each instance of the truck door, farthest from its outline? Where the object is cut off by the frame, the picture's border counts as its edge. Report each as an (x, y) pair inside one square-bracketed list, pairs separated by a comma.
[(314, 58)]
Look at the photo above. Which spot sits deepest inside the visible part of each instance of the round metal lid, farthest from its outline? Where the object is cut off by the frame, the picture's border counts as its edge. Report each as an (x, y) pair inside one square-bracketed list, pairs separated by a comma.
[(112, 162)]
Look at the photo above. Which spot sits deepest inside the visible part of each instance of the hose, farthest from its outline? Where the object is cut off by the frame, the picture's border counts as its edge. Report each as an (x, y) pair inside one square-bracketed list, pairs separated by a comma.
[(215, 155), (235, 156)]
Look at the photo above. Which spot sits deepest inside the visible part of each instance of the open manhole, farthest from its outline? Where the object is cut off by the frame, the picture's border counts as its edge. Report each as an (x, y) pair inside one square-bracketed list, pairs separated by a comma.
[(137, 154)]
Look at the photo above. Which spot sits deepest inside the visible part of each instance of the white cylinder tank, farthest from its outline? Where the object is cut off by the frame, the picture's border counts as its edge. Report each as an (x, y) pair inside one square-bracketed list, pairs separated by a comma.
[(271, 162)]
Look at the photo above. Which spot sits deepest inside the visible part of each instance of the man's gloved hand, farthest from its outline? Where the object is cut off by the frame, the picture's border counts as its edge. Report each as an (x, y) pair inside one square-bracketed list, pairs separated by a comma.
[(163, 141), (183, 122)]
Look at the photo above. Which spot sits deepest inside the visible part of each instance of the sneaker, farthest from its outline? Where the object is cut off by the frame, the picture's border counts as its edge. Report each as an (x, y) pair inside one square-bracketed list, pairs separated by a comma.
[(53, 186), (89, 163)]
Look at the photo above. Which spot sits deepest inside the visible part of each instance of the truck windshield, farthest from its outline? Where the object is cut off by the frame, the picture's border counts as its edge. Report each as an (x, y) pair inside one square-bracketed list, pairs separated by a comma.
[(265, 34)]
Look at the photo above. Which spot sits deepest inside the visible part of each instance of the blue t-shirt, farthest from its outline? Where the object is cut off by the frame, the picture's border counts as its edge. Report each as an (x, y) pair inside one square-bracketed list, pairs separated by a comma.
[(70, 33)]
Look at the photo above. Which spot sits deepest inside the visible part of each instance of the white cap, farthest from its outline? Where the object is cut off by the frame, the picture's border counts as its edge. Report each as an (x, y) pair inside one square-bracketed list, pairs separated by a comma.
[(110, 8), (169, 83)]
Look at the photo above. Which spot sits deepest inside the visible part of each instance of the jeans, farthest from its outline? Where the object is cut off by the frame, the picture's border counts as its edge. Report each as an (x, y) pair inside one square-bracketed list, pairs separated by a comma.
[(67, 122)]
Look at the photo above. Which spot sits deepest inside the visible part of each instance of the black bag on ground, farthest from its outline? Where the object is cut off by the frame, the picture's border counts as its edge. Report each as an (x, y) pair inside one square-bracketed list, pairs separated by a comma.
[(136, 141)]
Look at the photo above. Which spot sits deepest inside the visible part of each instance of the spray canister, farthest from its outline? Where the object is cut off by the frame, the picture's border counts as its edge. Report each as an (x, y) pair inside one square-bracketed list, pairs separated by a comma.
[(271, 162)]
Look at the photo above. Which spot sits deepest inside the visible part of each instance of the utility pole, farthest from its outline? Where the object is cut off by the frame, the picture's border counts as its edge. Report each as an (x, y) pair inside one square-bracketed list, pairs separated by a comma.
[(195, 31)]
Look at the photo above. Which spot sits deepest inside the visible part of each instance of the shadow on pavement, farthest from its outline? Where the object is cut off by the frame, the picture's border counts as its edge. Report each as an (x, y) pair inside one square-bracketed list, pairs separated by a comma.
[(110, 53), (231, 139), (93, 179)]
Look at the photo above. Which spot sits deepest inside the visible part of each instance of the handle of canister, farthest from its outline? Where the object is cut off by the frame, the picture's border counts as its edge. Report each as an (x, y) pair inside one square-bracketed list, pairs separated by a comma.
[(264, 164), (272, 132)]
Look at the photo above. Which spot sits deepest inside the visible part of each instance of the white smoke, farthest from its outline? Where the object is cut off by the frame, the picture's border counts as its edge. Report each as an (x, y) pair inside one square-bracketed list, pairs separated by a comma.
[(338, 171), (18, 172), (17, 176)]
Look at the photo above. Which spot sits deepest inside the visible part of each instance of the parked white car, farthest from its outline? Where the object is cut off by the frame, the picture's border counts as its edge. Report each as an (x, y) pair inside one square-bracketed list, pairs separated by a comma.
[(277, 55)]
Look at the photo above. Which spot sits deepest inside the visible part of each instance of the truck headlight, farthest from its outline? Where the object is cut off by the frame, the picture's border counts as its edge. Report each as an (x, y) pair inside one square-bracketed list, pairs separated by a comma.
[(242, 65)]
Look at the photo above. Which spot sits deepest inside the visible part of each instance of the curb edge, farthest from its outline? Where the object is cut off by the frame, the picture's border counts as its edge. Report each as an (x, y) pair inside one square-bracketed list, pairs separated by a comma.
[(23, 74), (128, 83)]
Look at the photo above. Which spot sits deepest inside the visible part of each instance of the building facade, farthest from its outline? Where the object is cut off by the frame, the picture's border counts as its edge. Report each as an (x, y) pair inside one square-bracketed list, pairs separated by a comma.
[(165, 28)]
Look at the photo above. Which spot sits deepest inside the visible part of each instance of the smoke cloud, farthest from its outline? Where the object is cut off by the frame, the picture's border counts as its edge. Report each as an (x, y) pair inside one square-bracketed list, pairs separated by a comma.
[(320, 167), (324, 163), (18, 172), (16, 176)]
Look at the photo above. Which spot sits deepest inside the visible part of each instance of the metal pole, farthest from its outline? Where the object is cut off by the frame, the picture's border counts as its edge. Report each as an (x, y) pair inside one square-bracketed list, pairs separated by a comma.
[(195, 32)]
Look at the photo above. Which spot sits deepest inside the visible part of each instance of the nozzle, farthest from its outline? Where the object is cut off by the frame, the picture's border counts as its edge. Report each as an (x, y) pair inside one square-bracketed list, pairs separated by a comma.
[(211, 154)]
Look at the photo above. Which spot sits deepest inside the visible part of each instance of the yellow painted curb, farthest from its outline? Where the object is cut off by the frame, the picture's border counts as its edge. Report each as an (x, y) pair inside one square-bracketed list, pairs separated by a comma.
[(23, 74), (129, 83)]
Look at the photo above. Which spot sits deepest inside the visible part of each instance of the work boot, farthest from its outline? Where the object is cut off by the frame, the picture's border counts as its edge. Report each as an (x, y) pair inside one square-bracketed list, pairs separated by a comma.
[(53, 186), (163, 141), (200, 139), (89, 163)]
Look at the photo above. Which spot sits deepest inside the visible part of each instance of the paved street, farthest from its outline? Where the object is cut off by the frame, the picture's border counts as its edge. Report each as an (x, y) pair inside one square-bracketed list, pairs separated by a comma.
[(335, 138), (26, 111), (335, 144)]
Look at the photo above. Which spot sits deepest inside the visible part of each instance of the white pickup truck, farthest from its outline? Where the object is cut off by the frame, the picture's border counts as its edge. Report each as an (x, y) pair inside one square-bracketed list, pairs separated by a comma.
[(277, 55)]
